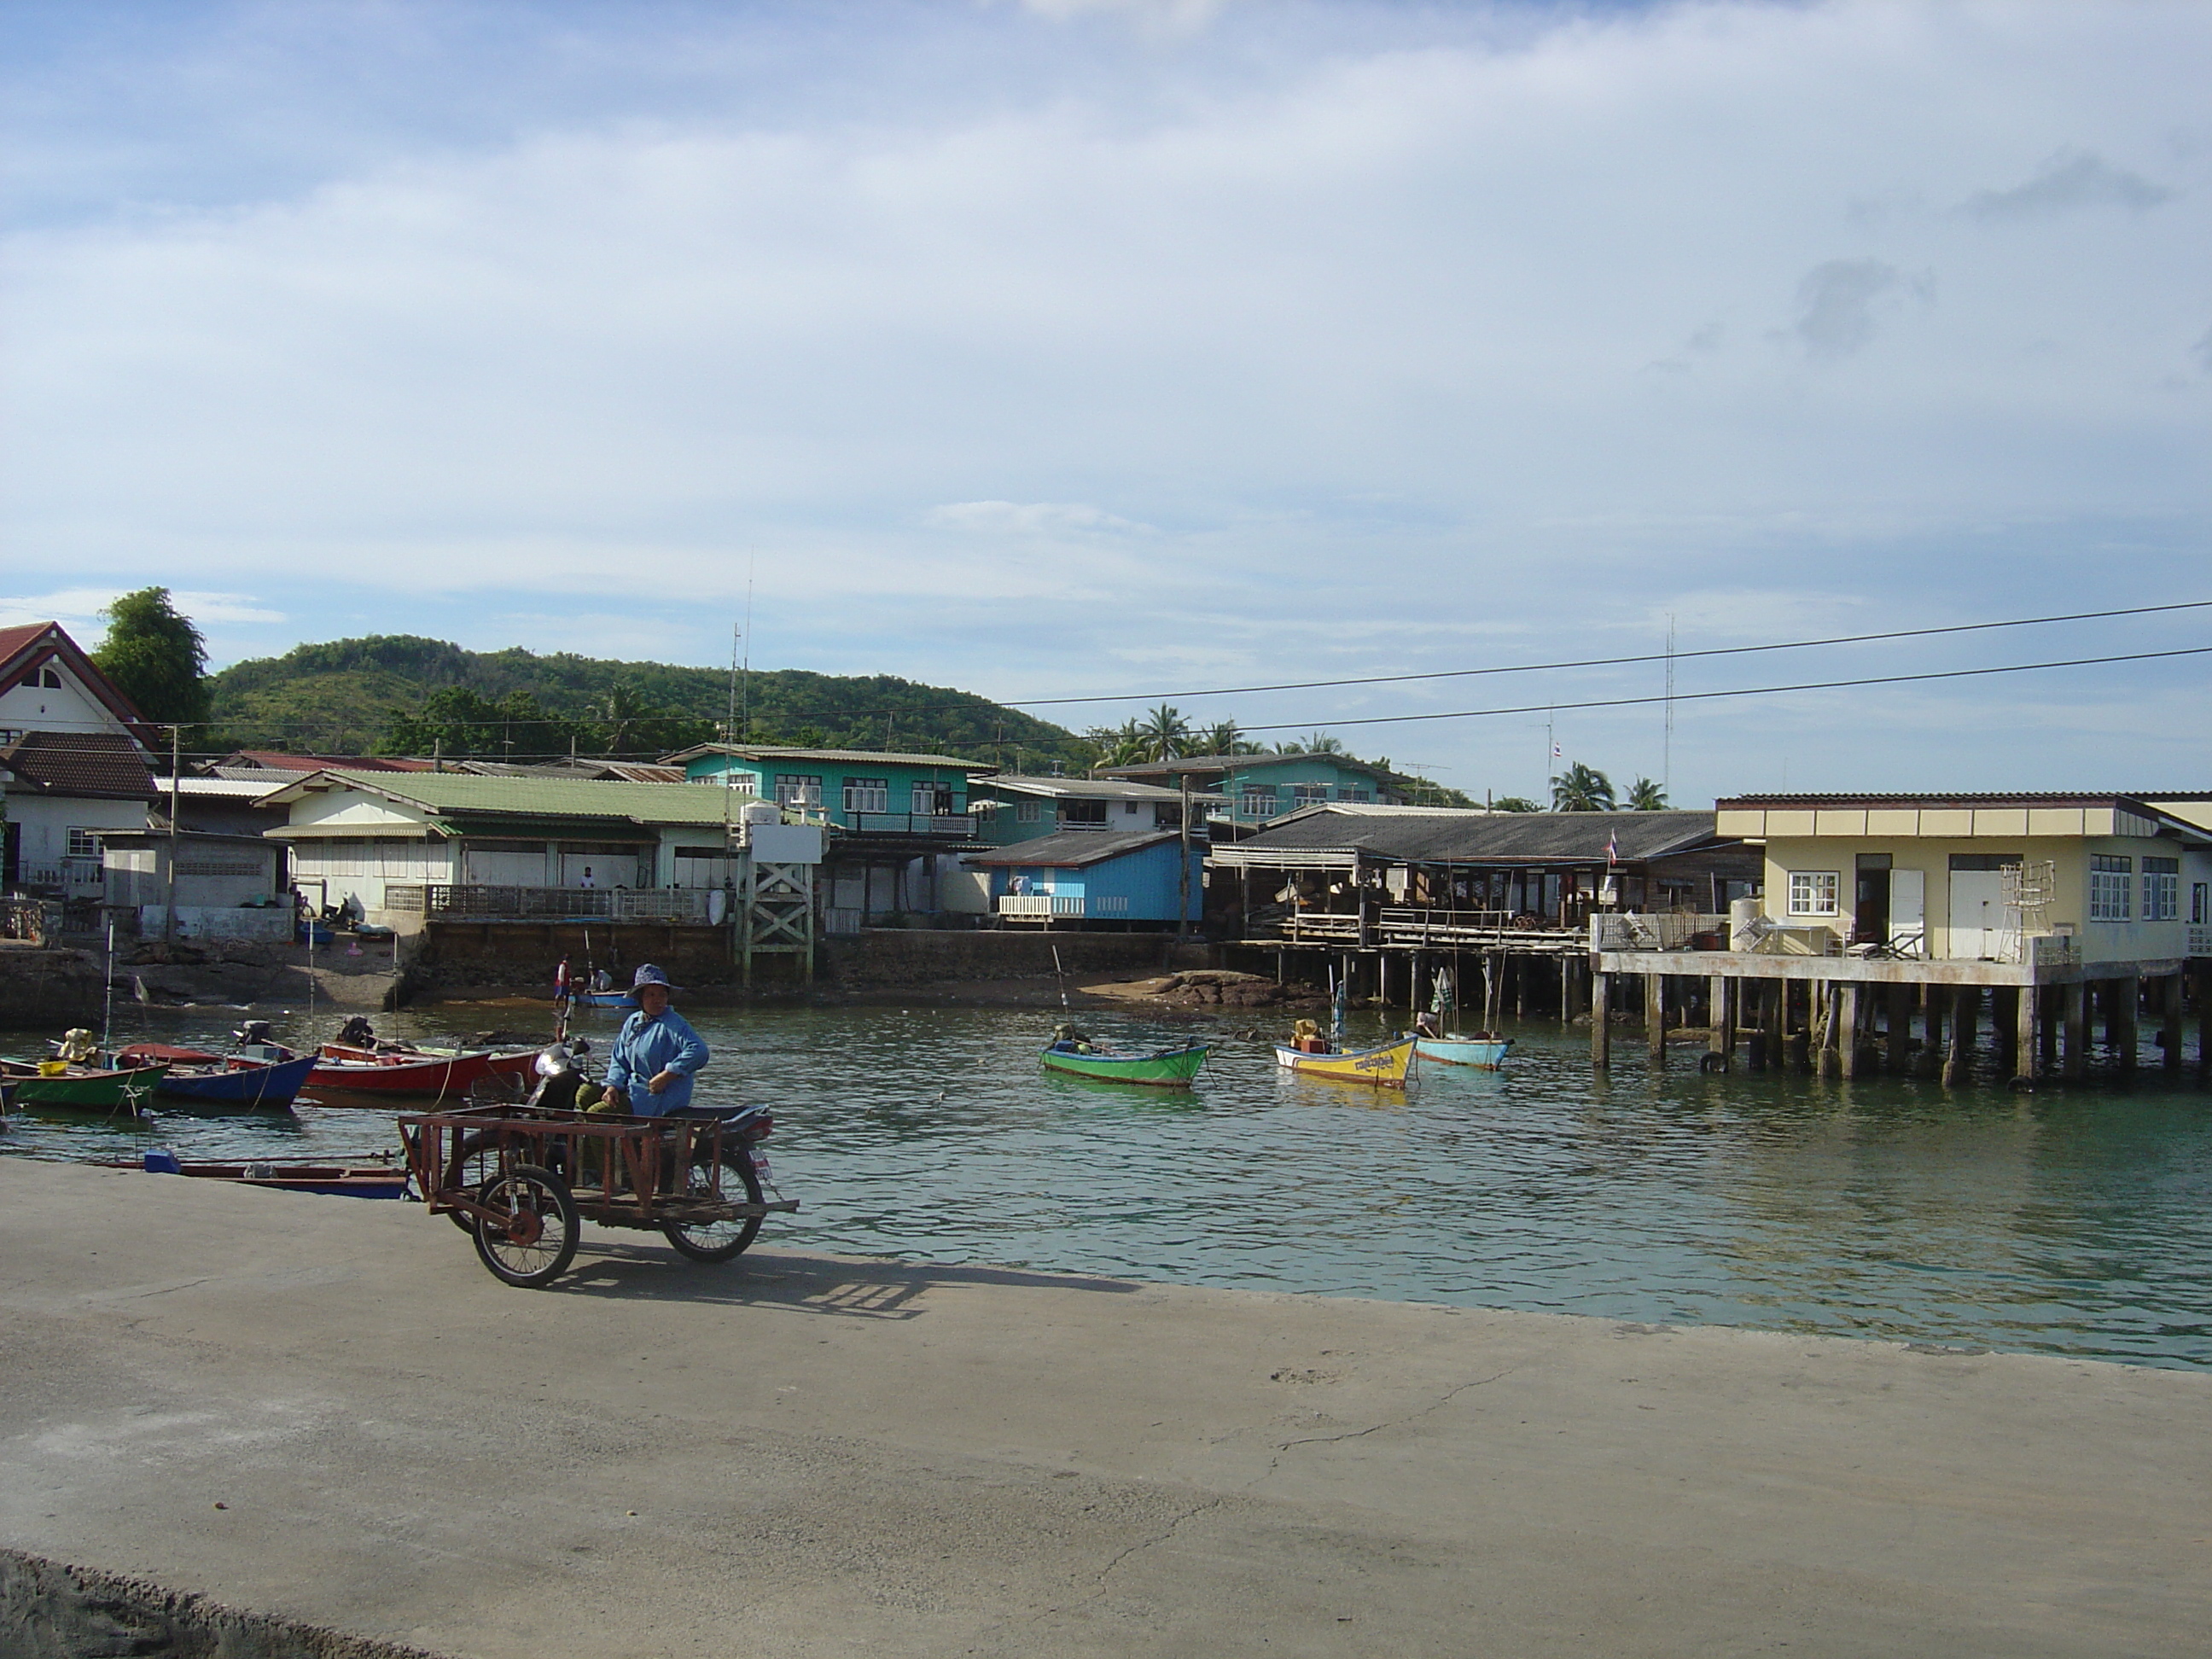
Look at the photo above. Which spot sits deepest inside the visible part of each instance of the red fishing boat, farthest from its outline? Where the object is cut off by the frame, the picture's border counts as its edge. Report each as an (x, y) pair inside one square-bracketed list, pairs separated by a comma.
[(442, 1073)]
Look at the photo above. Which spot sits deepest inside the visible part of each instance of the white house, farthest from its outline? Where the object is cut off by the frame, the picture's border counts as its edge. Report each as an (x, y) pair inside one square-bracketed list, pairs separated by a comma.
[(73, 760)]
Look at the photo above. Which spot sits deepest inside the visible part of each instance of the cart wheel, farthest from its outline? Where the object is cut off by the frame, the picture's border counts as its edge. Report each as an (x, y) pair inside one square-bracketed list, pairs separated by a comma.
[(475, 1160), (718, 1241), (533, 1239)]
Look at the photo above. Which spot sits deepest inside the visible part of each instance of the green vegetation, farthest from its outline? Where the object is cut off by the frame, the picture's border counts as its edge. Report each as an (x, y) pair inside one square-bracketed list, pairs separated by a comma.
[(398, 694), (1582, 788), (156, 657)]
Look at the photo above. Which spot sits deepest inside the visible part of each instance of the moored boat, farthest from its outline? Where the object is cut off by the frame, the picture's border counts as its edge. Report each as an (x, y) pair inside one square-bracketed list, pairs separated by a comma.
[(55, 1086), (413, 1071), (1162, 1068), (281, 1175), (240, 1082), (1385, 1066), (1481, 1050)]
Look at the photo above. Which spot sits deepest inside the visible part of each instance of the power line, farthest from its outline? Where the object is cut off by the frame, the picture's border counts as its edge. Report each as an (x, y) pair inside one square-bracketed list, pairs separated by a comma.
[(1755, 690)]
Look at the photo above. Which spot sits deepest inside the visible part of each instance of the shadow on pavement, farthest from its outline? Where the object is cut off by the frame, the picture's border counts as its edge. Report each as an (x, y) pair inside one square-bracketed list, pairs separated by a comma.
[(795, 1284)]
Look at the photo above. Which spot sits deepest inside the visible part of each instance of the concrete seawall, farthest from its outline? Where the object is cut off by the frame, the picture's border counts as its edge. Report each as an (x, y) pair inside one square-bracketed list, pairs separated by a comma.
[(324, 1411)]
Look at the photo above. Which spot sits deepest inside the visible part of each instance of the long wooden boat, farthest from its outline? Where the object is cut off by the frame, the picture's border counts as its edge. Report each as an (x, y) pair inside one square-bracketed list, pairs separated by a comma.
[(281, 1175), (411, 1071), (1386, 1067), (79, 1088), (200, 1078), (1162, 1068), (601, 999), (1484, 1052)]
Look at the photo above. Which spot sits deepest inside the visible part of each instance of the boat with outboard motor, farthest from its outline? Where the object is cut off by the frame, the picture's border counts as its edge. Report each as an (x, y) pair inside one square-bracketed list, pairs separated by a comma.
[(254, 1075), (1074, 1053), (1309, 1053)]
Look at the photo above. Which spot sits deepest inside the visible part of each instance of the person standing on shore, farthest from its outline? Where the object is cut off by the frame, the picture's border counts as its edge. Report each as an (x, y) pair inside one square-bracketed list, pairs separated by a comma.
[(657, 1054)]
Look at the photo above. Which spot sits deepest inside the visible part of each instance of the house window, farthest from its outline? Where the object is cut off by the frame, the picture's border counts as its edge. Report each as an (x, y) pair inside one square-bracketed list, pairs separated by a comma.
[(2161, 894), (49, 678), (744, 783), (84, 843), (2110, 878), (795, 789), (867, 794), (1308, 794), (1355, 792), (2200, 903), (933, 800), (1082, 811), (1029, 812), (1813, 892), (1258, 801)]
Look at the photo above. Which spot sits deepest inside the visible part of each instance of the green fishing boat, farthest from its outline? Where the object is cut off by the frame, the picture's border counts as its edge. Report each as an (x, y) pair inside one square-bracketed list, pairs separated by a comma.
[(79, 1088), (1162, 1068)]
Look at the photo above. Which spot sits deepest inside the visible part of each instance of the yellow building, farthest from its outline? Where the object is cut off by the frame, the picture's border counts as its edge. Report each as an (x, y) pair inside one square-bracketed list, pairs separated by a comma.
[(1885, 920)]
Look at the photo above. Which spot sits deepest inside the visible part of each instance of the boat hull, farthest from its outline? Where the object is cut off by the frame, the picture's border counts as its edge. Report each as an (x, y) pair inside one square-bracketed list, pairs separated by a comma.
[(1485, 1054), (1388, 1067), (347, 1180), (242, 1088), (1169, 1068), (84, 1091), (439, 1075)]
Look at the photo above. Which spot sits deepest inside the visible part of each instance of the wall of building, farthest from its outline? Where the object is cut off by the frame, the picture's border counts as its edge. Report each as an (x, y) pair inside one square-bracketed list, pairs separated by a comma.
[(45, 822), (1139, 887), (2101, 940), (66, 707), (891, 958), (835, 776)]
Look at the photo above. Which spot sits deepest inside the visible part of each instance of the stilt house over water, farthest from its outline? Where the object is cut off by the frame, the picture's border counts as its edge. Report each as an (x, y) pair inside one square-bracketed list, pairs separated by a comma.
[(1887, 921)]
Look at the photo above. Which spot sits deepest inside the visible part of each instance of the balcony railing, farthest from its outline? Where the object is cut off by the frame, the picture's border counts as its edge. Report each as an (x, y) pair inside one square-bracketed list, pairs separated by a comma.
[(472, 902), (1041, 907), (77, 878), (956, 824)]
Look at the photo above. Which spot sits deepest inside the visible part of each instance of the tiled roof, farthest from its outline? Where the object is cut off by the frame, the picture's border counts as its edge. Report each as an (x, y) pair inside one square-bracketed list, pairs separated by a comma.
[(29, 643), (1072, 848), (844, 757), (100, 764)]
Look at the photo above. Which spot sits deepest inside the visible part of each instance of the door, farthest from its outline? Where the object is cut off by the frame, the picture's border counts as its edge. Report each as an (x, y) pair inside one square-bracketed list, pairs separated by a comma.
[(1908, 912), (1978, 915)]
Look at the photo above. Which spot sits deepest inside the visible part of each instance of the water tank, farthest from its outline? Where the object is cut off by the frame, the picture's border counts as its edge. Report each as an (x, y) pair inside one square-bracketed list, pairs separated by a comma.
[(760, 811)]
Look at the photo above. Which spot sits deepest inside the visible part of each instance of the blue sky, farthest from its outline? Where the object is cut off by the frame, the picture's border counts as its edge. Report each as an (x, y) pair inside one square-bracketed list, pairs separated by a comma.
[(1067, 348)]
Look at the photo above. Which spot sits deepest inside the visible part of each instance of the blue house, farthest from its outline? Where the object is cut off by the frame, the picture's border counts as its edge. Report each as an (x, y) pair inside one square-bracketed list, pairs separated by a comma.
[(1261, 788), (1090, 878)]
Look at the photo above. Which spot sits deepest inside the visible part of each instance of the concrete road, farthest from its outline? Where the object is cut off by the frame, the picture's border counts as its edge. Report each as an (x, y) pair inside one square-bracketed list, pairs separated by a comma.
[(324, 1408)]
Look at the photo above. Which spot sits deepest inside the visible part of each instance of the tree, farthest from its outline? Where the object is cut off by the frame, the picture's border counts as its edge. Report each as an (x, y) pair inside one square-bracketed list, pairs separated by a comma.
[(1645, 796), (1225, 737), (1582, 788), (1165, 733), (1514, 803), (156, 657), (1314, 743), (1117, 745)]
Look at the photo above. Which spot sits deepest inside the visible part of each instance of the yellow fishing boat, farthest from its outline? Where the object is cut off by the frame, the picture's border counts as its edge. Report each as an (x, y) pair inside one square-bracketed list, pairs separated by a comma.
[(1385, 1067)]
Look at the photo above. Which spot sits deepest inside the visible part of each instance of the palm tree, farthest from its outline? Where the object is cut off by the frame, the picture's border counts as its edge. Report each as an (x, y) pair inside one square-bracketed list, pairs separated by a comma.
[(1165, 733), (1645, 796), (1223, 738), (1319, 743), (1582, 788)]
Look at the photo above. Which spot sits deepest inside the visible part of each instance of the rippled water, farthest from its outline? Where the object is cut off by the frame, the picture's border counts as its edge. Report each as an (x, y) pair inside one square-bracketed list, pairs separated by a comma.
[(2074, 1222)]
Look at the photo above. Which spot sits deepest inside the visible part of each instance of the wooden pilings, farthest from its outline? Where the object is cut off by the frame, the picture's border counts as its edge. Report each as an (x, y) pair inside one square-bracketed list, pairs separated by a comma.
[(1601, 1022), (1655, 1017)]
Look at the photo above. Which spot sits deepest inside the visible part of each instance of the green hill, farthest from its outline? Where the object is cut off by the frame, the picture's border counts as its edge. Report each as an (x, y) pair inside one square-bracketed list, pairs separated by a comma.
[(392, 693)]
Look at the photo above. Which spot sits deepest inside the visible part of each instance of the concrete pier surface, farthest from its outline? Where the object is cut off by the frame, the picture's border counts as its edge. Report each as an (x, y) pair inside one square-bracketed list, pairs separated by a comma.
[(324, 1409)]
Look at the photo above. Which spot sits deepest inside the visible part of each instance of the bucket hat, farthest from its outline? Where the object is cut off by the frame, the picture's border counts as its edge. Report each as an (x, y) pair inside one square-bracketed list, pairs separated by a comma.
[(650, 975)]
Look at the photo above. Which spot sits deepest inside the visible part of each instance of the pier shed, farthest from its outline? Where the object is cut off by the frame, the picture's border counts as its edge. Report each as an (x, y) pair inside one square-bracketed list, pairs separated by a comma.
[(1373, 882), (1887, 921)]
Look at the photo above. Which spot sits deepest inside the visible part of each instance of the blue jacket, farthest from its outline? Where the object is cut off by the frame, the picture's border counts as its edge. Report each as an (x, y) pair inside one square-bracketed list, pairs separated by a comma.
[(647, 1048)]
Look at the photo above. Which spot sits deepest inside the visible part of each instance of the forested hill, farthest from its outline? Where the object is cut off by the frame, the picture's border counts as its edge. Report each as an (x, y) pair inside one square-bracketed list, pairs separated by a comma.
[(393, 694)]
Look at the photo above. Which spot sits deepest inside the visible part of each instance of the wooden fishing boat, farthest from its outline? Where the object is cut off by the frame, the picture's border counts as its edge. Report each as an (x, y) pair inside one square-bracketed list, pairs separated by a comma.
[(199, 1078), (122, 1091), (1386, 1067), (1162, 1068), (413, 1071), (1479, 1050), (281, 1175), (600, 999)]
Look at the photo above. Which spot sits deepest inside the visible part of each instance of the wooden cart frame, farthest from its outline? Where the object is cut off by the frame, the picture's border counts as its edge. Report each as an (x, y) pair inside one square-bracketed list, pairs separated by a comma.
[(521, 1179)]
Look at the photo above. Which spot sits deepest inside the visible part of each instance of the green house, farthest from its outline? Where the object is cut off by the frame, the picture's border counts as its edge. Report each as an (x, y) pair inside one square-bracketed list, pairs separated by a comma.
[(1257, 788)]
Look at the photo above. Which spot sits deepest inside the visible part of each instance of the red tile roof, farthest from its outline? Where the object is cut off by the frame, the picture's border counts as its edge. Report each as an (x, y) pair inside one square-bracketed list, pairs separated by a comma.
[(100, 764)]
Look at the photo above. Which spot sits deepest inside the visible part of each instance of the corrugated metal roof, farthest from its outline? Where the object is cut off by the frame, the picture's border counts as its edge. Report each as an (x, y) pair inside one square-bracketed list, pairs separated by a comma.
[(1074, 848), (1087, 789), (1236, 764), (1997, 797), (471, 796), (1444, 836)]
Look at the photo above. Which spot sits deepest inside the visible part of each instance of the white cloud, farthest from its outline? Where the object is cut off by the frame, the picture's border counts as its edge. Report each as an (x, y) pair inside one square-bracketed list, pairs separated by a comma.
[(1336, 321)]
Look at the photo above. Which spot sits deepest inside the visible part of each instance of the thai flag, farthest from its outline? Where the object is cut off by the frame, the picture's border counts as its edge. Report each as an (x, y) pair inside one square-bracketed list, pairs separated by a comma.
[(1612, 848), (1557, 753)]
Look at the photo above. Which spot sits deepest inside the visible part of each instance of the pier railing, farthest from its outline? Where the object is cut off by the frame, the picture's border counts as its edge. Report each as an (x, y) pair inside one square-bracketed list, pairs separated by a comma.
[(1664, 930), (1041, 907), (1417, 929), (469, 902)]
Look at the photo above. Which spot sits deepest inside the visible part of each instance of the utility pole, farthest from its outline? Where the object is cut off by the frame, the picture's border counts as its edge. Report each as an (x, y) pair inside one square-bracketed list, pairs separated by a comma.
[(169, 907), (1182, 872)]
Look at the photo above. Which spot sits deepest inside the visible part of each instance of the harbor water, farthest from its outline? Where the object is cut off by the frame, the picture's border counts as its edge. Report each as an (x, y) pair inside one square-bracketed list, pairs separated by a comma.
[(2074, 1221)]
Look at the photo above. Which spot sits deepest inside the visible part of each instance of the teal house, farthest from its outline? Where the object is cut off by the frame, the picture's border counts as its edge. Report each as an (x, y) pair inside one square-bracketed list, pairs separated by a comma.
[(899, 823), (1127, 881), (1256, 788)]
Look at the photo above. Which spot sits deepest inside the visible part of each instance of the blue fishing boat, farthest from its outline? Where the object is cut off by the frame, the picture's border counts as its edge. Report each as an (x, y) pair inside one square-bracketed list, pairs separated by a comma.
[(1481, 1050), (601, 999), (248, 1082)]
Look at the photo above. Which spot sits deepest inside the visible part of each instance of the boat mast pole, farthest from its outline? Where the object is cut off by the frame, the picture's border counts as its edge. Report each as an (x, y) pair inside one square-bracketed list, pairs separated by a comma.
[(108, 1005)]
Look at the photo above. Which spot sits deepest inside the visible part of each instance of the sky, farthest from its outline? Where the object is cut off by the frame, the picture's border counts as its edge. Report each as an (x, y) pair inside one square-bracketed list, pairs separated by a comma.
[(1141, 351)]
